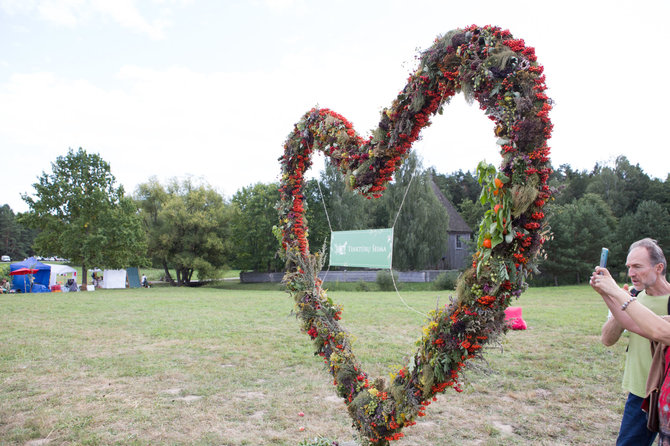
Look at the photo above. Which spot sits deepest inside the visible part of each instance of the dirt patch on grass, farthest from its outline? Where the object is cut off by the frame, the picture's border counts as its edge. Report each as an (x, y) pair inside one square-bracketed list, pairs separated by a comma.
[(175, 391), (250, 395), (502, 427), (38, 442), (188, 398)]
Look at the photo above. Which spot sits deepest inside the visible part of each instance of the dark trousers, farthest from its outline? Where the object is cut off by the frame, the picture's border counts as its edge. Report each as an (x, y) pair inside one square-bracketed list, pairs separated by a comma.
[(633, 431)]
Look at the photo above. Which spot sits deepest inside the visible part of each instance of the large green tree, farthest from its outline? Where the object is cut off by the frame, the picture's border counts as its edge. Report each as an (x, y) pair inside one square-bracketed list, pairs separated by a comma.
[(580, 229), (649, 220), (82, 215), (348, 211), (254, 215), (419, 220), (150, 198), (659, 191), (315, 213), (188, 227), (569, 184), (15, 238), (458, 186), (420, 232), (622, 187)]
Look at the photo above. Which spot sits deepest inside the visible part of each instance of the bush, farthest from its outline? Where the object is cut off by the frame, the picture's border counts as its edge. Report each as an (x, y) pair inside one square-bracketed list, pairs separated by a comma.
[(446, 280), (385, 281), (362, 286)]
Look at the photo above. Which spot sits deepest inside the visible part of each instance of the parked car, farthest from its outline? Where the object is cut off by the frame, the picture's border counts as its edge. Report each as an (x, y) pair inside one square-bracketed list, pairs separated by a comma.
[(5, 259)]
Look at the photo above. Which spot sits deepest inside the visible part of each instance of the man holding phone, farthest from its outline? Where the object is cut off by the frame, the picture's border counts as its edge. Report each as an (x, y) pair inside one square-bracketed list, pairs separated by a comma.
[(647, 267)]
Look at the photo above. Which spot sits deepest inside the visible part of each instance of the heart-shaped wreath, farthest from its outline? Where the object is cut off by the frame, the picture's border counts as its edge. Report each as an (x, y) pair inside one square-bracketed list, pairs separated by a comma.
[(501, 73)]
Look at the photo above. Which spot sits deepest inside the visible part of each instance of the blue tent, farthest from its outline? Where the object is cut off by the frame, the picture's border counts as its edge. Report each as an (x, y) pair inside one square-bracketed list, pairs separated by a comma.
[(40, 278)]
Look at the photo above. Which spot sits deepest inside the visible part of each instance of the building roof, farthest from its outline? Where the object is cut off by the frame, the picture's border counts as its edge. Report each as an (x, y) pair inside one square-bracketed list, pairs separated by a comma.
[(456, 222)]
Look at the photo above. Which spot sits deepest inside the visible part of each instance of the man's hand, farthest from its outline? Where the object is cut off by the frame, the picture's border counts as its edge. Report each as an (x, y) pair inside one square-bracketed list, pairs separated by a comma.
[(602, 282)]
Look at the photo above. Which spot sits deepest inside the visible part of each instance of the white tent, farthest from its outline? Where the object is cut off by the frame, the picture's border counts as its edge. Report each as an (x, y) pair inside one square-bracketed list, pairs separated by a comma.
[(114, 278), (60, 270)]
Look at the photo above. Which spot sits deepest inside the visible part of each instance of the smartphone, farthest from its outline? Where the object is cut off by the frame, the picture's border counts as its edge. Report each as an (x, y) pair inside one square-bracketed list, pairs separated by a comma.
[(603, 257)]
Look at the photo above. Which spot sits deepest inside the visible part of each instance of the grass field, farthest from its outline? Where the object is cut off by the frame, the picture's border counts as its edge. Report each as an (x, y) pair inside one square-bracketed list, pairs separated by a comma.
[(229, 367)]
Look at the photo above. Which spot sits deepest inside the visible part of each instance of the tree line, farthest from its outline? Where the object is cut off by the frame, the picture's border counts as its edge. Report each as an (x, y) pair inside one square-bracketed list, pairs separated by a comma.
[(608, 206), (78, 212)]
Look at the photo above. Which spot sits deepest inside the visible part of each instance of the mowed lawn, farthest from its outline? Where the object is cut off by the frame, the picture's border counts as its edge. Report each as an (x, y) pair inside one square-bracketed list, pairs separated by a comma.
[(230, 367)]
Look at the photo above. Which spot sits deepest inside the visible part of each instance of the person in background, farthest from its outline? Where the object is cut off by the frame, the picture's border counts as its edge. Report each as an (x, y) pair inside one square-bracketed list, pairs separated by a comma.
[(145, 282), (5, 286), (72, 285), (647, 266), (97, 279)]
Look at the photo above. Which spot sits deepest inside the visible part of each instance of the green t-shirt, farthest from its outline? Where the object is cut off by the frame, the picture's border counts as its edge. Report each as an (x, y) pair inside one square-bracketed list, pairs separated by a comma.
[(638, 357)]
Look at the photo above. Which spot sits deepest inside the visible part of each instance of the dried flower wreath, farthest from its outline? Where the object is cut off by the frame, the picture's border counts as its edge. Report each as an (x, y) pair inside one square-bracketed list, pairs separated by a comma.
[(488, 65)]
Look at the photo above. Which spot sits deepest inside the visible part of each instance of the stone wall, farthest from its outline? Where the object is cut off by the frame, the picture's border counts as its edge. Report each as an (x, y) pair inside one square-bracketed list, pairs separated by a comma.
[(345, 276)]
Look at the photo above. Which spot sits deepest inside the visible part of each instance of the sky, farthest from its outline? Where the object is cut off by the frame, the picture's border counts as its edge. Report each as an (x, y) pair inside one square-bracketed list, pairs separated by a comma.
[(211, 88)]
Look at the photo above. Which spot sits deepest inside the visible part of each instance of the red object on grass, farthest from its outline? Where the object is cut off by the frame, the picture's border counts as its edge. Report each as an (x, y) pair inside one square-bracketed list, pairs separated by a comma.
[(514, 319)]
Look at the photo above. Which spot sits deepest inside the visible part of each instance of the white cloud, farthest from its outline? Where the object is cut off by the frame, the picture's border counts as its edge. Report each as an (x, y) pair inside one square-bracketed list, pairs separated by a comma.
[(72, 13), (165, 123), (229, 127), (126, 14), (15, 7), (280, 5), (62, 12)]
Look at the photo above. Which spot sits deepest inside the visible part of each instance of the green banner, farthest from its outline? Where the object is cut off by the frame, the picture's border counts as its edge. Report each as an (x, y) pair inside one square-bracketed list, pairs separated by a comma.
[(371, 248)]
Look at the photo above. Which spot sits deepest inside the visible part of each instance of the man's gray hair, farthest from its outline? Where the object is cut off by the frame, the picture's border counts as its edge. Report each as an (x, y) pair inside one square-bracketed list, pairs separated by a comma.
[(655, 252)]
